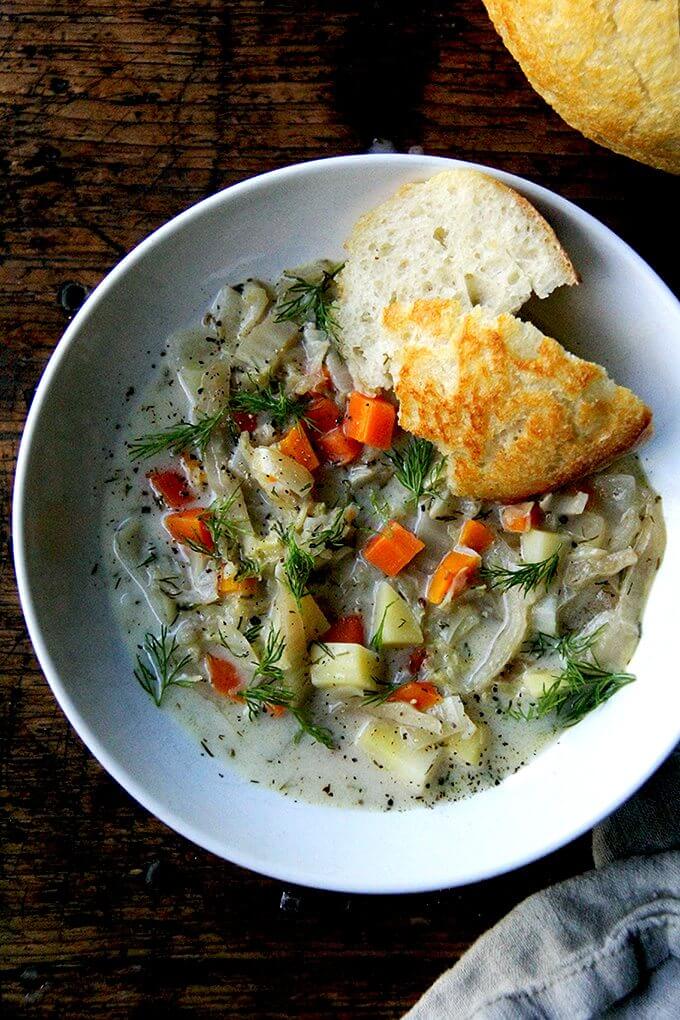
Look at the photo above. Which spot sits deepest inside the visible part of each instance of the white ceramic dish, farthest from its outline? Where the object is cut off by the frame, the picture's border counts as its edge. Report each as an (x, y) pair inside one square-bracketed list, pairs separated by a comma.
[(621, 315)]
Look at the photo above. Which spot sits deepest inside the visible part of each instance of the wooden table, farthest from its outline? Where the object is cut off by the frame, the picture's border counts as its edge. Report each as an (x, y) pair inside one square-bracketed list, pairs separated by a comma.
[(116, 116)]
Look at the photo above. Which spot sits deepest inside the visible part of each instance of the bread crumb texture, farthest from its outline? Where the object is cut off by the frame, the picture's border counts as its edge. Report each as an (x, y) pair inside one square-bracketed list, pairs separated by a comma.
[(611, 68), (461, 234), (515, 414)]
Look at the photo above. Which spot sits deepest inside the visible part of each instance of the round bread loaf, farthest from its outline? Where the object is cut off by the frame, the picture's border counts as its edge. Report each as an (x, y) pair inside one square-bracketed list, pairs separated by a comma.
[(611, 68)]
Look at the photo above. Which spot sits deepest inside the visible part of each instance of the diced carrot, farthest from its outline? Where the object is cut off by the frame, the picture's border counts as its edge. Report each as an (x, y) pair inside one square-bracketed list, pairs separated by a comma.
[(189, 528), (229, 585), (337, 448), (416, 660), (224, 677), (419, 693), (392, 548), (275, 710), (475, 535), (348, 630), (370, 420), (454, 574), (172, 487), (520, 517), (245, 421), (296, 444), (323, 414)]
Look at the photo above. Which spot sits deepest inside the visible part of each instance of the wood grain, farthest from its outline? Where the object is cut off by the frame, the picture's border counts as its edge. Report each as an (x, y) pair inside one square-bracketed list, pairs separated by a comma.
[(115, 116)]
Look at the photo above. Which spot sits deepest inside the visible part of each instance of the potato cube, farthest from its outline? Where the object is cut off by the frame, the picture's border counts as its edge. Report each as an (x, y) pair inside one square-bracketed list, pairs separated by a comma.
[(345, 665), (539, 545), (469, 749), (392, 613), (387, 745)]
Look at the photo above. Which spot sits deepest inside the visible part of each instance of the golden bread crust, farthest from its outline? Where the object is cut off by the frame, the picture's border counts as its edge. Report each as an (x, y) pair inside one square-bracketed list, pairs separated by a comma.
[(611, 68), (515, 414)]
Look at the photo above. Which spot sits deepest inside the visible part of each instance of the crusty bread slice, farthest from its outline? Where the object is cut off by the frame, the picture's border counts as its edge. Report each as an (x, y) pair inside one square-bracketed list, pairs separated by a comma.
[(460, 234), (515, 414)]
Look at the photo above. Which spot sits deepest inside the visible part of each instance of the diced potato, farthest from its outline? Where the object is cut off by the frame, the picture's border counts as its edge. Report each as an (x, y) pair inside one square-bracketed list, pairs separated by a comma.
[(469, 749), (387, 745), (283, 480), (400, 628), (315, 623), (345, 665), (535, 681), (537, 545), (287, 618)]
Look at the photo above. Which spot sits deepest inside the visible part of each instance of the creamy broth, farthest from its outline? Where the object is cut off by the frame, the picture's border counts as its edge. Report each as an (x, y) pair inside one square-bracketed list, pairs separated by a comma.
[(489, 651)]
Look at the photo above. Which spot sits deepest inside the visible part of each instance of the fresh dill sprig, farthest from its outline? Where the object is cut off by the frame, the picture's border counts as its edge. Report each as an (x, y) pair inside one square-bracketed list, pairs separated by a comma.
[(271, 400), (324, 648), (297, 565), (526, 578), (333, 536), (164, 667), (567, 646), (272, 653), (220, 522), (377, 641), (259, 697), (319, 734), (247, 568), (266, 693), (176, 438), (252, 632), (415, 467), (221, 526), (383, 694), (310, 300), (576, 691)]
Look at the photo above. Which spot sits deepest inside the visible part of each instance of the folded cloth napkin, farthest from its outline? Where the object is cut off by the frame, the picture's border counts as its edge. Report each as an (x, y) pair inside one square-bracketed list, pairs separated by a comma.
[(604, 944)]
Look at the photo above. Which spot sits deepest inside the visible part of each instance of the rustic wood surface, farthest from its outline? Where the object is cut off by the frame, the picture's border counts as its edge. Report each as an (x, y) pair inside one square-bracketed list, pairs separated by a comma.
[(115, 116)]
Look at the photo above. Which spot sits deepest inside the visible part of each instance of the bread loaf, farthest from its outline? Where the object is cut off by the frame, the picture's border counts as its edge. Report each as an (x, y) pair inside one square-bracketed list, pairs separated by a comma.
[(611, 68)]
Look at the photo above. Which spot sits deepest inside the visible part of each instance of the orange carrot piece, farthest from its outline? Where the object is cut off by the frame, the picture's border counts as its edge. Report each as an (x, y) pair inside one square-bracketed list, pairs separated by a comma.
[(337, 448), (419, 693), (275, 710), (189, 528), (224, 677), (370, 420), (323, 414), (392, 548), (229, 585), (172, 487), (520, 517), (475, 535), (296, 444), (454, 573), (348, 630)]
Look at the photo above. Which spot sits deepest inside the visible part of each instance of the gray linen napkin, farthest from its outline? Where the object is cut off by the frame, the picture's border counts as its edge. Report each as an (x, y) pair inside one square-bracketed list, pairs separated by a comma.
[(604, 944)]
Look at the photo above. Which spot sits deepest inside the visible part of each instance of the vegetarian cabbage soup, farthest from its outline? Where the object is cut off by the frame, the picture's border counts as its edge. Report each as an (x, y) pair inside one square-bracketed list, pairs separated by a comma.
[(301, 589)]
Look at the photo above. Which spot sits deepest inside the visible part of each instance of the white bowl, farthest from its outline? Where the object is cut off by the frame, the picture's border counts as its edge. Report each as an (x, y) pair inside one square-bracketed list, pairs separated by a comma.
[(621, 315)]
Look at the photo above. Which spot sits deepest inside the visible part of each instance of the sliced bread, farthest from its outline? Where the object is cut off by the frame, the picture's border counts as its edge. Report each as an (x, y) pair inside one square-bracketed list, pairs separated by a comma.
[(515, 414), (461, 234)]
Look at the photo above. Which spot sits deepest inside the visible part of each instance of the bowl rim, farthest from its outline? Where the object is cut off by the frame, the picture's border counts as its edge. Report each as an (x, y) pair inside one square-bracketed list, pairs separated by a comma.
[(164, 812)]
